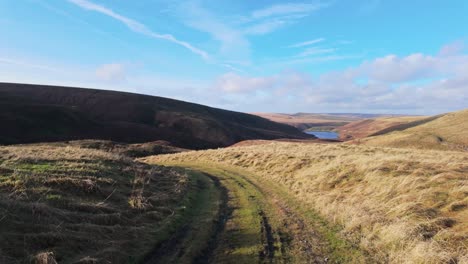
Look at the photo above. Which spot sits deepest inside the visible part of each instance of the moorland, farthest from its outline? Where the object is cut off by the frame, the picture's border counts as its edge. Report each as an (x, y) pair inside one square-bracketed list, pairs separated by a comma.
[(157, 180)]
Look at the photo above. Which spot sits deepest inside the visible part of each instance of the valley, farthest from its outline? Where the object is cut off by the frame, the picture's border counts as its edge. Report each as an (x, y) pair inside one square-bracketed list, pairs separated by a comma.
[(233, 132), (395, 191), (346, 126)]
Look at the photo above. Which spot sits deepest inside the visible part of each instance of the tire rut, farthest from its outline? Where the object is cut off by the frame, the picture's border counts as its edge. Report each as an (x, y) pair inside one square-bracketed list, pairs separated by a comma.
[(173, 246), (225, 212), (294, 231), (268, 253)]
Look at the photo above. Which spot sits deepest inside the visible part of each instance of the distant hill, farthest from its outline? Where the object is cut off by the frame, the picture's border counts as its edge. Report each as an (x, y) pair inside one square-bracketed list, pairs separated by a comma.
[(304, 121), (38, 113), (369, 127), (313, 121), (443, 132)]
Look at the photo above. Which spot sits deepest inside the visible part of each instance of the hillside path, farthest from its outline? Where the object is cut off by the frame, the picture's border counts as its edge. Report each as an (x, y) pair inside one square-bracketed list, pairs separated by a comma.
[(240, 221)]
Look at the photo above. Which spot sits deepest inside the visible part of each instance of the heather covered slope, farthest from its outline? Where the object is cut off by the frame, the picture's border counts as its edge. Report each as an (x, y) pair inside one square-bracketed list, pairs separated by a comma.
[(445, 132), (36, 113)]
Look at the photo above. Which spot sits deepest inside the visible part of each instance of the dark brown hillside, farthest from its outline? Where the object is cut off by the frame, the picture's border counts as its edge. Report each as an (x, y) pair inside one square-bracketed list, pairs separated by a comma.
[(37, 113)]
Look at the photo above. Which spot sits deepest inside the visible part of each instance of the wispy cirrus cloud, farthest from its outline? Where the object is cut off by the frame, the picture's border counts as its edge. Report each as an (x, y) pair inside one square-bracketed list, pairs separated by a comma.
[(274, 17), (286, 9), (230, 67), (265, 27), (315, 51), (312, 54), (29, 65), (234, 45), (137, 26), (306, 43), (233, 34)]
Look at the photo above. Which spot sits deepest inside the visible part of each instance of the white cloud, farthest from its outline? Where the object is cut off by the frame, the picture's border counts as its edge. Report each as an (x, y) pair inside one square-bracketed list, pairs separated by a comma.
[(114, 72), (230, 67), (392, 68), (452, 49), (315, 51), (417, 83), (274, 17), (309, 54), (306, 43), (233, 32), (234, 83), (33, 65), (233, 42), (265, 27), (284, 9), (137, 26)]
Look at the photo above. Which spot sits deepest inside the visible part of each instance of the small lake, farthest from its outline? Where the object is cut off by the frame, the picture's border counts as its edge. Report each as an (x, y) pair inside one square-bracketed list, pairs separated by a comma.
[(324, 134)]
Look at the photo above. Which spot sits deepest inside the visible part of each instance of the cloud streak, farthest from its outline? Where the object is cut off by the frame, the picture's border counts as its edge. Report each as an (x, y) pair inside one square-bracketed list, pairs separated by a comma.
[(306, 43), (233, 42), (29, 65), (285, 9), (315, 51), (233, 34), (137, 26)]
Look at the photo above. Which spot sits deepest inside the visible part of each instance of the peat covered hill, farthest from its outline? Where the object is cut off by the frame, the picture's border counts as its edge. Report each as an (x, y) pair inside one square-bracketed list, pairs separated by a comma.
[(39, 113)]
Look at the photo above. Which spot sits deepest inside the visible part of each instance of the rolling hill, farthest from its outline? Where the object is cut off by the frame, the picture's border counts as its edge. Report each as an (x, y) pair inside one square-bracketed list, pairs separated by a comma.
[(443, 132), (89, 202), (395, 205), (319, 122), (369, 127), (304, 121), (38, 113)]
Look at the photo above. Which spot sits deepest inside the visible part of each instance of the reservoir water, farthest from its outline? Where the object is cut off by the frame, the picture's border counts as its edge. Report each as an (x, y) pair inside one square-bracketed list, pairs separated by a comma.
[(323, 134)]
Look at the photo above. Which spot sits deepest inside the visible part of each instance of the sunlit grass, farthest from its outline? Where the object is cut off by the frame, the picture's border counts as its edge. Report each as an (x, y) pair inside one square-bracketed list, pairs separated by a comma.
[(399, 205), (445, 133)]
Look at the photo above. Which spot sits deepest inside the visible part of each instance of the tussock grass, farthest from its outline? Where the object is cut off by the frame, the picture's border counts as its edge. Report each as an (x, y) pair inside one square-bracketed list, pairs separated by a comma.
[(67, 204), (399, 205), (368, 127), (447, 132)]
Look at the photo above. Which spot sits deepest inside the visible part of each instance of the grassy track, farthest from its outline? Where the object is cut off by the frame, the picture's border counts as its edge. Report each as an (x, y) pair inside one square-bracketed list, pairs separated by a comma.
[(265, 225), (396, 205), (192, 228)]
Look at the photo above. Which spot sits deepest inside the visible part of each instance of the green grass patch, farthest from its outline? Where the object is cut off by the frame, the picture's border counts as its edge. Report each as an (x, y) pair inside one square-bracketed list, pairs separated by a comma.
[(246, 218)]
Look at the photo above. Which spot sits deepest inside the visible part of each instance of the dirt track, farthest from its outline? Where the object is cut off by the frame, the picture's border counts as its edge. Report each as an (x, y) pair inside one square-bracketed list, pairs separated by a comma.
[(251, 223)]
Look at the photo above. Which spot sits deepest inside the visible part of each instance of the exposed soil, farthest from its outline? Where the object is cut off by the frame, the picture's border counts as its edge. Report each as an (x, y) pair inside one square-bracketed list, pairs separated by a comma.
[(283, 236), (224, 213), (268, 252)]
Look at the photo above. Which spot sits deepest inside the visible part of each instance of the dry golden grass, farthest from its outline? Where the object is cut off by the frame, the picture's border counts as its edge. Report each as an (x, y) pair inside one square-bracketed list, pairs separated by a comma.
[(399, 205), (448, 132), (404, 119), (69, 204), (364, 128), (311, 121), (307, 118)]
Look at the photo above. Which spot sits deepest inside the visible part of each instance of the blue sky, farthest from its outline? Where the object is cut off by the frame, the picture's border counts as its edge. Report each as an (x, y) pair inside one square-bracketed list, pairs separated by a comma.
[(253, 56)]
